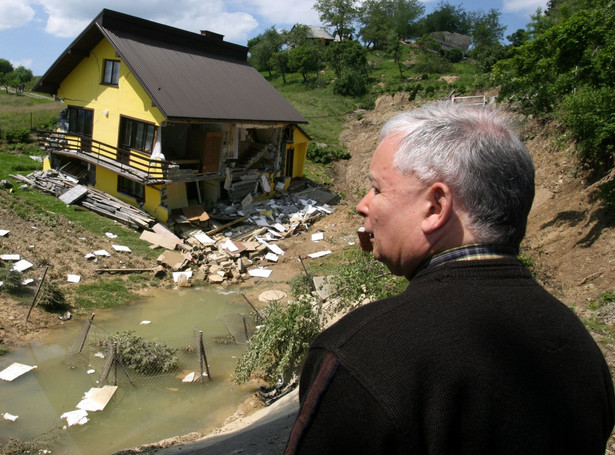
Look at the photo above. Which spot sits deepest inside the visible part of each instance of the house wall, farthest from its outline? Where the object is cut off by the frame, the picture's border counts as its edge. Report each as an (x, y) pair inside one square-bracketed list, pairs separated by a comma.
[(83, 88), (300, 143)]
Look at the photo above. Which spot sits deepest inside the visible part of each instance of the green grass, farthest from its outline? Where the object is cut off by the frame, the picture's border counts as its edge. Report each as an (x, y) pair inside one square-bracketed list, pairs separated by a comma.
[(26, 112), (103, 293)]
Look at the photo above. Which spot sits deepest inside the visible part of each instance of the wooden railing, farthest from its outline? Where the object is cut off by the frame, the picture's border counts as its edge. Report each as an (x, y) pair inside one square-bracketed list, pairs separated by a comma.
[(120, 160)]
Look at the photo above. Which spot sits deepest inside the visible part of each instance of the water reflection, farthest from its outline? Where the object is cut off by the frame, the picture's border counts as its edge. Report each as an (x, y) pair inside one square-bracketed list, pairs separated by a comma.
[(155, 407)]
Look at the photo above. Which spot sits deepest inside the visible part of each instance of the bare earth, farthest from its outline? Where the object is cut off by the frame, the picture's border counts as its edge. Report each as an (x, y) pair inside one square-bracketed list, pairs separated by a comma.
[(570, 237)]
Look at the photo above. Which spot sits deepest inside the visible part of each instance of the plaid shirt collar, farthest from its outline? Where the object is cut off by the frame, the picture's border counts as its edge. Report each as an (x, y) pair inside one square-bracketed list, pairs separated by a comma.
[(468, 253)]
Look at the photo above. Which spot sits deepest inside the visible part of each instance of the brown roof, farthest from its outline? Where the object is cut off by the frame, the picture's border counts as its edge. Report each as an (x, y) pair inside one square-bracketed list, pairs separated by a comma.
[(187, 75)]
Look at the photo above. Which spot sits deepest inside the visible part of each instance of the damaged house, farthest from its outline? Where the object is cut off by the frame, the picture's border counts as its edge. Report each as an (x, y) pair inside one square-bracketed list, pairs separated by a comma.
[(166, 119)]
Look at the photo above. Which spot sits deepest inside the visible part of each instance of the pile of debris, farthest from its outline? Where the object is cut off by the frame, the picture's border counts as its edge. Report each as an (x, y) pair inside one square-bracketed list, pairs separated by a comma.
[(242, 248), (231, 243), (68, 190)]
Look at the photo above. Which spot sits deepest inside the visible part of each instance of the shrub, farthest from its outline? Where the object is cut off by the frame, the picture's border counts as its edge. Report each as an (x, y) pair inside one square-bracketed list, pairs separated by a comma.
[(11, 280), (325, 154), (279, 345), (590, 115), (145, 357), (51, 298), (351, 83), (17, 135)]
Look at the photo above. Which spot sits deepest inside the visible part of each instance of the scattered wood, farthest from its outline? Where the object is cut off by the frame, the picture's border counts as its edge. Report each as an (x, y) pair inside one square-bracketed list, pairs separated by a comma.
[(152, 269), (67, 189)]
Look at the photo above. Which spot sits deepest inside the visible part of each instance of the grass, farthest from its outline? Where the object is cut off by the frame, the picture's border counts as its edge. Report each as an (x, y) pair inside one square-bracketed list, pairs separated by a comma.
[(18, 112)]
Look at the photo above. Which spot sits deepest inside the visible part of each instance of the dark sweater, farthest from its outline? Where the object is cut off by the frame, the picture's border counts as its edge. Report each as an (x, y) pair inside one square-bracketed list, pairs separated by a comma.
[(473, 358)]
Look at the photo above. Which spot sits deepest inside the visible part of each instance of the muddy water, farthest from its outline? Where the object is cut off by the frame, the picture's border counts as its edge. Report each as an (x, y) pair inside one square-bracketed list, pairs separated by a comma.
[(155, 407)]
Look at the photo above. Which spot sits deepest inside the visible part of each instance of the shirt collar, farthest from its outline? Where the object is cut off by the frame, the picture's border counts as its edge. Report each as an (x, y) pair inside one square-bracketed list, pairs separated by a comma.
[(468, 253)]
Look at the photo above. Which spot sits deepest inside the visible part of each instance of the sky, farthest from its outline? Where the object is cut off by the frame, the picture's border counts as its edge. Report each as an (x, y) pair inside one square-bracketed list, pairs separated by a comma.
[(34, 33)]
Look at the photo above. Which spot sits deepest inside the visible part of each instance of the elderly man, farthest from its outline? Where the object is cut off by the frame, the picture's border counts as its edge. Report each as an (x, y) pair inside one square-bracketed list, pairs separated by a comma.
[(474, 357)]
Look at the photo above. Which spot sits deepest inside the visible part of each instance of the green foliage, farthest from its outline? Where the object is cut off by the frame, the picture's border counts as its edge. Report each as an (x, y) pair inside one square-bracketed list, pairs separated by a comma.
[(301, 285), (590, 116), (11, 280), (433, 64), (606, 192), (325, 154), (351, 83), (277, 348), (17, 135), (361, 278), (146, 357), (51, 298)]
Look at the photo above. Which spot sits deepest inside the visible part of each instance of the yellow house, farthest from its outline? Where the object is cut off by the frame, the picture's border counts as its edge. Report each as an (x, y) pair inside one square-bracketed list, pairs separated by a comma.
[(166, 119)]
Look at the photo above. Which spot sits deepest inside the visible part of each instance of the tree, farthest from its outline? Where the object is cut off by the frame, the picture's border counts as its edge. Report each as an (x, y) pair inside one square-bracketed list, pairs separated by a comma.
[(6, 69), (263, 47), (447, 18), (340, 15), (487, 34), (304, 59)]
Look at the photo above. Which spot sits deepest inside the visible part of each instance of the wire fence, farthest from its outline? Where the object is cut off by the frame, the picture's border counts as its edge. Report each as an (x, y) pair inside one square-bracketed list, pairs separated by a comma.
[(124, 358)]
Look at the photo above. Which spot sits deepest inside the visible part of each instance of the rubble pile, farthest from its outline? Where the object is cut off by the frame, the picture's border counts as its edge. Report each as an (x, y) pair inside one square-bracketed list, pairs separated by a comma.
[(241, 248), (229, 244)]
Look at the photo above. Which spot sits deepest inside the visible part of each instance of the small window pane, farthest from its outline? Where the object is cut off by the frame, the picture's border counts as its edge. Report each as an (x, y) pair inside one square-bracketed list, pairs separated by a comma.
[(115, 77)]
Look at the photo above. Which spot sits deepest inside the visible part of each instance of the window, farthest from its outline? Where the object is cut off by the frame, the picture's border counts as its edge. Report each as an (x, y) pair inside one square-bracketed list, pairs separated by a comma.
[(137, 135), (131, 188), (112, 72), (80, 120)]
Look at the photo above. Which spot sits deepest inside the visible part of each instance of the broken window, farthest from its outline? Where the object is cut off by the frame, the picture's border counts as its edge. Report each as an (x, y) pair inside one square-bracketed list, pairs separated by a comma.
[(111, 75)]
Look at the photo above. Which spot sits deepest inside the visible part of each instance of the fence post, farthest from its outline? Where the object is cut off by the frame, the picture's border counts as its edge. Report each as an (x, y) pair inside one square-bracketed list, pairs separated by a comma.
[(203, 357)]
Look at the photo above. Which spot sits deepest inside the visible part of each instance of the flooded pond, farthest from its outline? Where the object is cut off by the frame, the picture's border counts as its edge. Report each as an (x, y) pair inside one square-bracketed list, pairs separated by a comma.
[(145, 408)]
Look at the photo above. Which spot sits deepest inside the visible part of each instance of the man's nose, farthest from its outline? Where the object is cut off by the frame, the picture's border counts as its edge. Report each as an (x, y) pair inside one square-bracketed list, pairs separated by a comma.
[(363, 205)]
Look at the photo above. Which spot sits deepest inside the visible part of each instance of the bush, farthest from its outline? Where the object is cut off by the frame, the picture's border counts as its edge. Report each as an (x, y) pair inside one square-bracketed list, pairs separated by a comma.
[(325, 154), (17, 135), (590, 115), (351, 83), (11, 280), (145, 357), (51, 298), (279, 345)]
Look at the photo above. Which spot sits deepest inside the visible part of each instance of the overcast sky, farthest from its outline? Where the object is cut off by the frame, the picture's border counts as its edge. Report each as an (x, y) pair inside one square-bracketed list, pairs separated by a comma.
[(34, 33)]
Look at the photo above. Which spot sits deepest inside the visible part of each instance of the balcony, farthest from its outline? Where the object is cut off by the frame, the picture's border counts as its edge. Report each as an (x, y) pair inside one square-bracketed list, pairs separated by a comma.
[(129, 163)]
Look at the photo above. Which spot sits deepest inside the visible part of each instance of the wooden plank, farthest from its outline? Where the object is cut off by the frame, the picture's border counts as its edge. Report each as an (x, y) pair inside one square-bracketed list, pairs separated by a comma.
[(159, 240)]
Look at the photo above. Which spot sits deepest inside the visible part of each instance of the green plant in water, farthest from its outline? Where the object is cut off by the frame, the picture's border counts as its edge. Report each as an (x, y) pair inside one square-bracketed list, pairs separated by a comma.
[(277, 348), (145, 357)]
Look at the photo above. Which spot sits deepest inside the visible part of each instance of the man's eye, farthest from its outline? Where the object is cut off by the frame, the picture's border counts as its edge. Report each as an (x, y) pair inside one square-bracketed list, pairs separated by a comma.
[(376, 190)]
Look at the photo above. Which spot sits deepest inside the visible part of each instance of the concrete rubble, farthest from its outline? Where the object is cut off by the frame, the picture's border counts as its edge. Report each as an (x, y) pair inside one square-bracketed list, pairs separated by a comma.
[(227, 244), (241, 250)]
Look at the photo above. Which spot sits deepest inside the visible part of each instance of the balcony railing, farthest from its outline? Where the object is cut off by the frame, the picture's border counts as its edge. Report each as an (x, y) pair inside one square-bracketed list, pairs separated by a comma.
[(134, 163)]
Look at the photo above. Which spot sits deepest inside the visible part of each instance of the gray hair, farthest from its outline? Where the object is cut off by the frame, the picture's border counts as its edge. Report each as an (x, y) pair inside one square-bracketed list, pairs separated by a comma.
[(478, 154)]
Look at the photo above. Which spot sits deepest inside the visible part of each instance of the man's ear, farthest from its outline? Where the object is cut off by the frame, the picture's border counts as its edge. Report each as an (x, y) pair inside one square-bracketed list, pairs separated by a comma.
[(439, 207)]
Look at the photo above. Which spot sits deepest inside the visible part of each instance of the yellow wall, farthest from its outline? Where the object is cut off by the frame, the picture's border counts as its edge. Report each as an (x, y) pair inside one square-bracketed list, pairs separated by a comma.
[(82, 88), (300, 143)]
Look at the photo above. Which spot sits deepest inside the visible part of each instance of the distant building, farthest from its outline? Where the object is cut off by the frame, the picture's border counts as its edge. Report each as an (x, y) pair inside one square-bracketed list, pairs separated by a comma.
[(165, 119), (317, 33), (450, 40)]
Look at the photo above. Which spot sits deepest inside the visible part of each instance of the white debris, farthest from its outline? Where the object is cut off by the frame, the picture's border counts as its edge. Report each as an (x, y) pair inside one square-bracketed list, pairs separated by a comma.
[(97, 398), (15, 370), (11, 417), (102, 253), (10, 257), (121, 248), (4, 232), (176, 275), (189, 377), (318, 236), (91, 371), (319, 254), (146, 322), (27, 282), (260, 272), (100, 355), (77, 417), (111, 235), (272, 257), (73, 278), (22, 265)]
